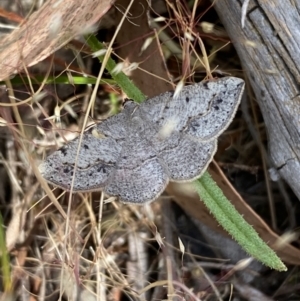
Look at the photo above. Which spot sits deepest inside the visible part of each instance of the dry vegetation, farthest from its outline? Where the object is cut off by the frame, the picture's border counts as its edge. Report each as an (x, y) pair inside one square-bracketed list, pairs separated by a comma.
[(91, 247)]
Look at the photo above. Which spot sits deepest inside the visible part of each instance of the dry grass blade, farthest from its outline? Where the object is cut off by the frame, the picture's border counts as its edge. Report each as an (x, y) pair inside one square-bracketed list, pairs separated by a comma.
[(47, 30)]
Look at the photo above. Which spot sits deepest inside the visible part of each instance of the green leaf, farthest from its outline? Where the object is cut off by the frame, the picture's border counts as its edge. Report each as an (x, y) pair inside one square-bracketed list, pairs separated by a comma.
[(229, 218)]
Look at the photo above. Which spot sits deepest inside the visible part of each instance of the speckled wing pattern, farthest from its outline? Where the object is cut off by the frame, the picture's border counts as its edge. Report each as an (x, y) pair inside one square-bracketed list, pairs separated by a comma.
[(134, 154)]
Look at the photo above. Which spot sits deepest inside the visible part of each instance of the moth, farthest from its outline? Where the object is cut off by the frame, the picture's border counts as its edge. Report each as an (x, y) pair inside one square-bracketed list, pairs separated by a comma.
[(138, 151)]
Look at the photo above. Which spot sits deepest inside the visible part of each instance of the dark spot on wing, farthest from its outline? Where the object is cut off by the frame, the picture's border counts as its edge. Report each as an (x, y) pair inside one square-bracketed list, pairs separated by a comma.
[(101, 169), (67, 169), (219, 100), (216, 108), (187, 99), (86, 146), (205, 85), (64, 150), (194, 127)]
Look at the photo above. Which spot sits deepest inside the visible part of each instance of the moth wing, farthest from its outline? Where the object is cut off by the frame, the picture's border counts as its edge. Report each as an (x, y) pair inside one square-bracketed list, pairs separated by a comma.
[(99, 151)]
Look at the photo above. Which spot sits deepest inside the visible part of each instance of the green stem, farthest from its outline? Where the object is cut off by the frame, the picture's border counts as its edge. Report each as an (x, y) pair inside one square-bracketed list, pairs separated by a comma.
[(121, 79), (5, 261)]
